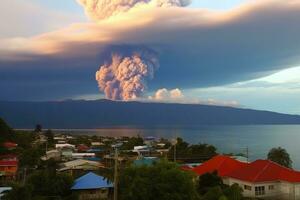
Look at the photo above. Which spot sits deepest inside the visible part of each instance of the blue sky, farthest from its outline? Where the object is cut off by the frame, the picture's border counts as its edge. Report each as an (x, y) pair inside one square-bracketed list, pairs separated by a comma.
[(245, 55)]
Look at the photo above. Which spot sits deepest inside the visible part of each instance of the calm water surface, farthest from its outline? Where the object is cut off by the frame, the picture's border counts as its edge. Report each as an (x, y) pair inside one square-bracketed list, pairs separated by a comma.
[(228, 139)]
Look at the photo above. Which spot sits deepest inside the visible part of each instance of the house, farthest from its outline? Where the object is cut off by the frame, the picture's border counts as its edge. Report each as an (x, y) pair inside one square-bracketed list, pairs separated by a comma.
[(3, 190), (52, 154), (97, 144), (10, 145), (259, 179), (60, 146), (82, 148), (92, 187), (66, 150), (222, 164), (80, 165), (83, 155), (8, 166)]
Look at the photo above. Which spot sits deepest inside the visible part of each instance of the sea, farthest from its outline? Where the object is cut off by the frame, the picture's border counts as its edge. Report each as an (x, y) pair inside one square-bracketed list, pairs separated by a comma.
[(258, 139)]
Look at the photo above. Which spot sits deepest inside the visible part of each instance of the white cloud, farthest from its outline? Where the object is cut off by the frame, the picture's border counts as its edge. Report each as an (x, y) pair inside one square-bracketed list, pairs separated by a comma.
[(177, 96), (167, 95)]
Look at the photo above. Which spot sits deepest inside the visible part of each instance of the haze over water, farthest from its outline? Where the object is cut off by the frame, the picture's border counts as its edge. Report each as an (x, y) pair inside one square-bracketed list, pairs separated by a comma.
[(228, 139)]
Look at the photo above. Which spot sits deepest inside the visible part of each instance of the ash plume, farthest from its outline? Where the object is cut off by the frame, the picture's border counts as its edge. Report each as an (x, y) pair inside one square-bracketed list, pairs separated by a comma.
[(125, 77), (102, 9)]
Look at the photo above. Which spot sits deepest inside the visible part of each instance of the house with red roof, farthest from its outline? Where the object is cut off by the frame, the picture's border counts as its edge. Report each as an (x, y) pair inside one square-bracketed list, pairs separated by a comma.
[(9, 145), (8, 166), (259, 179)]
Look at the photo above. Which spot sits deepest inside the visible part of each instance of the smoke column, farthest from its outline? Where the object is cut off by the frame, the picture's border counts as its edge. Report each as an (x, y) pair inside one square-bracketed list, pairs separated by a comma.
[(125, 78), (102, 9)]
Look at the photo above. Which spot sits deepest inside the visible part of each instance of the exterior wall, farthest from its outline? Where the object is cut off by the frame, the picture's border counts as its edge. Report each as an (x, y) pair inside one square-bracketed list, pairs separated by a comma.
[(280, 191), (8, 170), (94, 194)]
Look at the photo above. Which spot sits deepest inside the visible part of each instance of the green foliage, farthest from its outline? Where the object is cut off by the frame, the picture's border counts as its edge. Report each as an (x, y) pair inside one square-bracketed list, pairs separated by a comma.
[(214, 193), (131, 142), (234, 192), (48, 183), (24, 139), (5, 131), (38, 128), (19, 192), (161, 181), (50, 138), (200, 152), (30, 157), (280, 156), (208, 181), (211, 187), (82, 139)]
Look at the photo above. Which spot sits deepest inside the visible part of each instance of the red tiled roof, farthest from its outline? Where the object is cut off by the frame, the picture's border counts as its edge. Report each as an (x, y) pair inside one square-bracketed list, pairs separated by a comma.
[(265, 171), (8, 163), (222, 164), (82, 147), (10, 144), (186, 168), (8, 156)]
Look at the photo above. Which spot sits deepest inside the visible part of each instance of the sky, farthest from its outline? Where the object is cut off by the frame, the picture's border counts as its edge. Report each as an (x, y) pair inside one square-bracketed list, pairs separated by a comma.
[(242, 53)]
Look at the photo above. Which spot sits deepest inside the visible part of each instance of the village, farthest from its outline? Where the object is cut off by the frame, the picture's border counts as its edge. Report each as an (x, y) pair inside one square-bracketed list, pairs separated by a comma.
[(88, 167)]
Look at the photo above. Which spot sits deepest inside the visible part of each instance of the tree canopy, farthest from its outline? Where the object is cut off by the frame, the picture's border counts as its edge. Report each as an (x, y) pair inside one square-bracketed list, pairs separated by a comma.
[(163, 180), (199, 152), (280, 156), (211, 187)]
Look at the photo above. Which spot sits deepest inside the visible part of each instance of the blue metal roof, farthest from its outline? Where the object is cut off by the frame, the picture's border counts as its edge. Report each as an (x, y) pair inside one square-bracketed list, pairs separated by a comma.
[(91, 181), (148, 161), (93, 159)]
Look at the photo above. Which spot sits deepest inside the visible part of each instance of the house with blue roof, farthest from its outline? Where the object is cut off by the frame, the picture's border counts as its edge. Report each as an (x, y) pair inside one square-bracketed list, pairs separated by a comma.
[(92, 186)]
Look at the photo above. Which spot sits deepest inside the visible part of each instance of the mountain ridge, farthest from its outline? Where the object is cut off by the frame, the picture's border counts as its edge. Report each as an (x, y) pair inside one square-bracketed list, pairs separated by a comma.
[(103, 113)]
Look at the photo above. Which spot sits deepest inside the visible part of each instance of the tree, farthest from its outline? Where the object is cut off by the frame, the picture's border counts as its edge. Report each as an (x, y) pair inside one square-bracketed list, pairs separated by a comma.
[(208, 181), (234, 192), (133, 141), (199, 152), (19, 192), (5, 131), (280, 156), (38, 128), (48, 183), (163, 180), (211, 187), (50, 137)]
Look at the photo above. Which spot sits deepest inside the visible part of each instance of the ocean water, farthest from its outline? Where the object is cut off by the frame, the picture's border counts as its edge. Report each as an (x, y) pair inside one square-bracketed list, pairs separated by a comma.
[(259, 139)]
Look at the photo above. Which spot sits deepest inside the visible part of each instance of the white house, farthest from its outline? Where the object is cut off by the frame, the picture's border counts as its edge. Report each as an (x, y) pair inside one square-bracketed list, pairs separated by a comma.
[(259, 179), (65, 145), (80, 164)]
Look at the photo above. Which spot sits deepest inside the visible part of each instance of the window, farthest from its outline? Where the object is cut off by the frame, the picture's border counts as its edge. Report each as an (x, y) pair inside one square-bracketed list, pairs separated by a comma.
[(260, 190), (271, 187), (247, 187)]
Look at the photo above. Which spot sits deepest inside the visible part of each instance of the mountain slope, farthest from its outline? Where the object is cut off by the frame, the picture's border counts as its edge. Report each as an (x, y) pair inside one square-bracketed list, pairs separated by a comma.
[(95, 114)]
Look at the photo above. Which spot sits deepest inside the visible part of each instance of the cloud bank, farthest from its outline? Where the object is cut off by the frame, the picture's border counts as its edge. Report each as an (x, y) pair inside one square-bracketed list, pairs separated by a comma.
[(102, 9), (195, 48)]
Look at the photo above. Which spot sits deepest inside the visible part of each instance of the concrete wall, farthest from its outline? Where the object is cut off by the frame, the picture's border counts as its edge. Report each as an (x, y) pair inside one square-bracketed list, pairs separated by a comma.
[(102, 194), (280, 191)]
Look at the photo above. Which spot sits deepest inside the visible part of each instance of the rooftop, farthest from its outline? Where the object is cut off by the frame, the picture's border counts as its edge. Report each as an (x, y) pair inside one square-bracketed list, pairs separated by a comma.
[(91, 181)]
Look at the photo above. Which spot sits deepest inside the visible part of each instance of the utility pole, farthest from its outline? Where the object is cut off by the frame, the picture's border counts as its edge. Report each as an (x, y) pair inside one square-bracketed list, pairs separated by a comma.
[(116, 175), (174, 142), (247, 154), (175, 152), (24, 176)]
